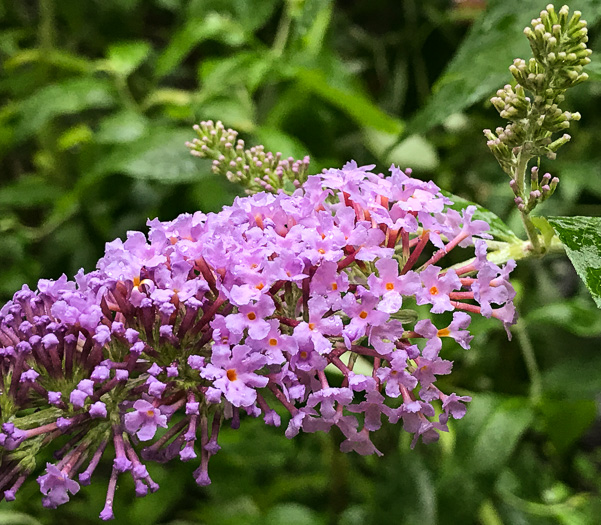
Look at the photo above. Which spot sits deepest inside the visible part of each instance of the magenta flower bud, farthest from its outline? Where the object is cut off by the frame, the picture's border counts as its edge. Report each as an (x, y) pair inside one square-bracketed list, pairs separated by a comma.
[(78, 398), (121, 375), (54, 398), (98, 410), (192, 408)]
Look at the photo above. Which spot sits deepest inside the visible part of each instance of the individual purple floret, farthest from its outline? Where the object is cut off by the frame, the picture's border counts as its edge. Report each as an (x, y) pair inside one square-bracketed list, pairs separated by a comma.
[(55, 485), (144, 420)]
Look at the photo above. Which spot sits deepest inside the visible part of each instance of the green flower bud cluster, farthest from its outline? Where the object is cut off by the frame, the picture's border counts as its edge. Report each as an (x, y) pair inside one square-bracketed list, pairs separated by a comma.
[(559, 51), (532, 106), (253, 168)]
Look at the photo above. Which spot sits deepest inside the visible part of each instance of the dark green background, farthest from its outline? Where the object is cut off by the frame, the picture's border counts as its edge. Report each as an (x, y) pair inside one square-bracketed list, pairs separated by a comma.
[(98, 98)]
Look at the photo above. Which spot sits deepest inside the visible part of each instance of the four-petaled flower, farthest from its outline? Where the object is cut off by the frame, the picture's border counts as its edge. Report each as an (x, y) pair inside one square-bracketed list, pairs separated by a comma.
[(144, 420), (56, 485)]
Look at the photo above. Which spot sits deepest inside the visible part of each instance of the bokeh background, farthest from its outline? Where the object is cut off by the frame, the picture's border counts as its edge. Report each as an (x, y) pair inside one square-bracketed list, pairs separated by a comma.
[(98, 98)]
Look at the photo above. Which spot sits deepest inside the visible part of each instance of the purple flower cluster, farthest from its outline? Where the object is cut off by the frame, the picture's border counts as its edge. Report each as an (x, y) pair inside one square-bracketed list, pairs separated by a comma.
[(270, 303)]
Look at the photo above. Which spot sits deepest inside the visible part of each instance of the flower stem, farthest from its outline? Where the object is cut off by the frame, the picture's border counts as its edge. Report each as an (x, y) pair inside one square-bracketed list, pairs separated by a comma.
[(520, 178), (281, 37), (530, 360)]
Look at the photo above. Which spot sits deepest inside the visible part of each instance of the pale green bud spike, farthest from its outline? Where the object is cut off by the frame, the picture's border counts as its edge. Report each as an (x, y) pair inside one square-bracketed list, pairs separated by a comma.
[(532, 106), (254, 168)]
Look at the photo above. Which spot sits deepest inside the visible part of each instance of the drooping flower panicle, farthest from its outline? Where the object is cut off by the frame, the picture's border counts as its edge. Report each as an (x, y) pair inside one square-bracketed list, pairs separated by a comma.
[(248, 310)]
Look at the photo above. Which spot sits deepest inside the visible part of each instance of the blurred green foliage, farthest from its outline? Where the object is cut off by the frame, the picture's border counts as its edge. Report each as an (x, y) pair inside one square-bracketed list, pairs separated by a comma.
[(98, 100)]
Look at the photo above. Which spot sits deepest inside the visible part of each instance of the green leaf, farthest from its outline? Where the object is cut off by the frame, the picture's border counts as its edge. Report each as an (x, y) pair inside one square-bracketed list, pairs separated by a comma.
[(486, 439), (245, 68), (197, 30), (74, 136), (64, 98), (497, 439), (480, 66), (415, 152), (160, 155), (8, 517), (125, 126), (581, 237), (236, 111), (594, 71), (356, 105), (314, 24), (59, 59), (578, 316), (498, 229), (250, 15), (566, 420), (291, 514), (28, 191), (576, 377), (168, 97), (126, 57), (276, 140), (579, 177)]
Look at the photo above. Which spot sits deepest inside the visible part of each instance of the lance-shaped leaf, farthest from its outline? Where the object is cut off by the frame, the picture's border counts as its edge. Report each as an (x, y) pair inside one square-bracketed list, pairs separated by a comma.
[(581, 237), (480, 65)]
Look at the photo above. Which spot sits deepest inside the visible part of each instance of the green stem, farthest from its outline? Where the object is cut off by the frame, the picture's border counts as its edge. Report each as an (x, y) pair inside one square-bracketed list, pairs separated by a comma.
[(520, 171), (281, 37), (536, 384), (47, 135), (520, 178), (46, 30), (516, 251), (128, 99), (338, 478), (537, 248)]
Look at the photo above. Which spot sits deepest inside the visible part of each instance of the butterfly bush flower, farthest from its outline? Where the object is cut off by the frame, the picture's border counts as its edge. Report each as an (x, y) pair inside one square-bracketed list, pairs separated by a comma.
[(261, 309)]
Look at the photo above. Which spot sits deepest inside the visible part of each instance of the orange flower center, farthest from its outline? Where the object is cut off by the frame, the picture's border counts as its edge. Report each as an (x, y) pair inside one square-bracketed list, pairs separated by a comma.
[(251, 316), (260, 286), (444, 332), (322, 251), (150, 413), (334, 286), (303, 355), (363, 314), (390, 286), (434, 290), (311, 326), (273, 342), (231, 374)]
